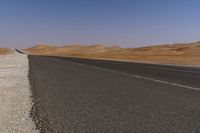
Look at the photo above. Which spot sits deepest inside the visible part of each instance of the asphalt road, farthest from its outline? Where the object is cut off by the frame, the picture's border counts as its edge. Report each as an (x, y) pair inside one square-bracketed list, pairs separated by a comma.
[(74, 95), (19, 51)]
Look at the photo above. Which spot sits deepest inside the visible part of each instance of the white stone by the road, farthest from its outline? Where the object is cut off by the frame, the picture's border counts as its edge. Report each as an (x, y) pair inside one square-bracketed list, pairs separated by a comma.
[(15, 102)]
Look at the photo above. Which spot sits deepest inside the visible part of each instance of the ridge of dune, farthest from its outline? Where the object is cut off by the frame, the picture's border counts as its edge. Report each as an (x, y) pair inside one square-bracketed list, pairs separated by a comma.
[(188, 53), (71, 49), (41, 49)]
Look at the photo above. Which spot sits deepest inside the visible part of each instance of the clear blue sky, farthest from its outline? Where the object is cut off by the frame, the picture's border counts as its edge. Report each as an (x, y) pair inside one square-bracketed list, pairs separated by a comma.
[(130, 23)]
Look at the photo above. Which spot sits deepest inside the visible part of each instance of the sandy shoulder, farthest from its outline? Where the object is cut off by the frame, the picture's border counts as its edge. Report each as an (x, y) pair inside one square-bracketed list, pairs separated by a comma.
[(15, 102)]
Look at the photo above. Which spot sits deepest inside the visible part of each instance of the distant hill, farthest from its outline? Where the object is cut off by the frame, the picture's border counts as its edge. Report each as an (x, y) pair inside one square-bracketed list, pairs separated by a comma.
[(75, 49), (169, 53), (4, 51)]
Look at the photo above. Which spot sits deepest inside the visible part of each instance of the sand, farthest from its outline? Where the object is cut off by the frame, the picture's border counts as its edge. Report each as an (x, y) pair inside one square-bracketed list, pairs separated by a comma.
[(4, 51), (183, 54)]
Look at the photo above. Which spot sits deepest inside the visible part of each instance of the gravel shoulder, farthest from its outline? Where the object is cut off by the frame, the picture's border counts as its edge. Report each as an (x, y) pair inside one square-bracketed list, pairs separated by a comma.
[(15, 102)]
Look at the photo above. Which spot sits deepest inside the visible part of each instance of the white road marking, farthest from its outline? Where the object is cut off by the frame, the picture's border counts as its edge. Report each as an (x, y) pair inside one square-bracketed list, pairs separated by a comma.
[(173, 69), (15, 102), (135, 76)]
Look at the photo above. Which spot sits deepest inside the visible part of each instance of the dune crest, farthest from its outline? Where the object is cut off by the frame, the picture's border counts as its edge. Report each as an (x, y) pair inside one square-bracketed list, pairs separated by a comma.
[(188, 53)]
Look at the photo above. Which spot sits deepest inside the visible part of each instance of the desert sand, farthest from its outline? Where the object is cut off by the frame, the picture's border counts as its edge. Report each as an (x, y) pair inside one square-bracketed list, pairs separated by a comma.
[(184, 54), (4, 51)]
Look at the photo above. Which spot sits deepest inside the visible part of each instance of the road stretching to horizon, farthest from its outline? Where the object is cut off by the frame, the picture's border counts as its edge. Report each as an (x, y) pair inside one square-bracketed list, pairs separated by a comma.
[(87, 95)]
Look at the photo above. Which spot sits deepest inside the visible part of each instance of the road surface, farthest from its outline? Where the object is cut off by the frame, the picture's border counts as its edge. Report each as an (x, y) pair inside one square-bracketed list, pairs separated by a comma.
[(83, 95)]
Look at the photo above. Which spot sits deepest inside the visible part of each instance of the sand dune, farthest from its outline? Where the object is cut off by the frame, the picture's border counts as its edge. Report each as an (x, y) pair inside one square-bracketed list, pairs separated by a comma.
[(4, 51), (75, 49), (188, 54)]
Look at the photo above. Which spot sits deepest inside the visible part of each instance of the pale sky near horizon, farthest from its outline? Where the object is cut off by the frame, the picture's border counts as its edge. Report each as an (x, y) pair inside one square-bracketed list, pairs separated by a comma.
[(129, 23)]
